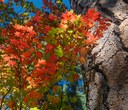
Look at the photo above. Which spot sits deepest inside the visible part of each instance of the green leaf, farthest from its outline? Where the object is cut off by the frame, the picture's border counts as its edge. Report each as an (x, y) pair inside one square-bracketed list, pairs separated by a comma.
[(35, 108), (73, 99), (60, 30), (59, 1), (68, 107), (52, 32), (70, 75), (70, 31), (25, 14), (59, 51)]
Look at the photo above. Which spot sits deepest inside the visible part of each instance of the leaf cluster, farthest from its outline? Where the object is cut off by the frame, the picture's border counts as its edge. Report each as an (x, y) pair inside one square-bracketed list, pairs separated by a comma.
[(43, 51)]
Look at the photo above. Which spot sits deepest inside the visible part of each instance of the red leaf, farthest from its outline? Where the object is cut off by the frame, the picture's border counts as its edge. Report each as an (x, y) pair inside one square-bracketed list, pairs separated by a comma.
[(42, 62), (52, 17), (31, 31), (91, 40), (49, 48), (12, 63), (14, 42), (47, 29), (2, 1), (68, 16), (39, 54), (92, 14), (53, 58), (75, 77), (37, 18), (9, 50), (24, 44)]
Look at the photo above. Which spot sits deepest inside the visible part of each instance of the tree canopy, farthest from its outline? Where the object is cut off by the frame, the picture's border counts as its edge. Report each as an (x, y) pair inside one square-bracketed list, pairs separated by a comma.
[(40, 52)]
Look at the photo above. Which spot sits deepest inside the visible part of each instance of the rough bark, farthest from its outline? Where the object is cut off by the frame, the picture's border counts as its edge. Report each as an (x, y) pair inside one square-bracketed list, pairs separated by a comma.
[(107, 76)]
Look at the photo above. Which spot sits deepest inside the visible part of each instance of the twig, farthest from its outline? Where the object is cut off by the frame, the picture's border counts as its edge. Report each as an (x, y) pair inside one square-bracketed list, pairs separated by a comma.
[(2, 100)]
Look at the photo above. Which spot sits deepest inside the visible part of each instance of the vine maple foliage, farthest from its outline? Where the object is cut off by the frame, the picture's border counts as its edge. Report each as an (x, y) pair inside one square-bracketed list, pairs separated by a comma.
[(1, 0), (45, 50)]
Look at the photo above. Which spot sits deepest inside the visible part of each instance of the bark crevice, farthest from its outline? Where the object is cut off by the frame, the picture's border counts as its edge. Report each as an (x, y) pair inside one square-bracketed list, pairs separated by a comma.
[(107, 76)]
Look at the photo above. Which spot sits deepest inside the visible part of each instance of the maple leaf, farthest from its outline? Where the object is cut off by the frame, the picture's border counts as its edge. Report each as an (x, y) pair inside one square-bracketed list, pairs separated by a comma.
[(92, 14), (33, 94), (49, 48), (31, 31), (63, 26), (91, 40), (68, 16), (39, 46), (76, 50), (38, 80), (37, 18), (103, 27), (25, 99), (83, 51), (39, 71), (18, 27), (75, 77), (12, 63), (39, 54), (9, 50), (87, 33), (59, 51), (14, 42), (42, 62), (35, 74), (82, 60), (24, 44), (18, 34), (56, 88), (51, 68), (26, 55), (47, 29), (12, 104), (2, 1), (99, 33), (53, 58), (31, 81), (16, 1), (3, 32), (52, 17), (47, 79)]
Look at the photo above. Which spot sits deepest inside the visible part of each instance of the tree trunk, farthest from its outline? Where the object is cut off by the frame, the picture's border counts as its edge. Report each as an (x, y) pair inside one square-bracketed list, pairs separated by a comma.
[(107, 73)]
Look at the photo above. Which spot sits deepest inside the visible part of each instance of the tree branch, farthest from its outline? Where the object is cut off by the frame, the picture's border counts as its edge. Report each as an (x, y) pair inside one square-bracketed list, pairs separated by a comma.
[(2, 100)]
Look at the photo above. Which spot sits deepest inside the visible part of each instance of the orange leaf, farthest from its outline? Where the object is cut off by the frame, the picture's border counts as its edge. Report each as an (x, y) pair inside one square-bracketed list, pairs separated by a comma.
[(92, 14), (2, 1)]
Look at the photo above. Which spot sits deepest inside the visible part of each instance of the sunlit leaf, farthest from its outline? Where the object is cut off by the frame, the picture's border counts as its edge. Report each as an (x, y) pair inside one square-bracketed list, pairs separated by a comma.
[(59, 51)]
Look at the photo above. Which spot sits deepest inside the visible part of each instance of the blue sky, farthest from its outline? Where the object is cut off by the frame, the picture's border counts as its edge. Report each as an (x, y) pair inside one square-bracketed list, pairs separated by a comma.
[(38, 4), (66, 2)]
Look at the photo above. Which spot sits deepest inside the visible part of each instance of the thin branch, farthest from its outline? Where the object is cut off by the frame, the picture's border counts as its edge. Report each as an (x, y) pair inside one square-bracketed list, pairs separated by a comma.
[(2, 100)]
